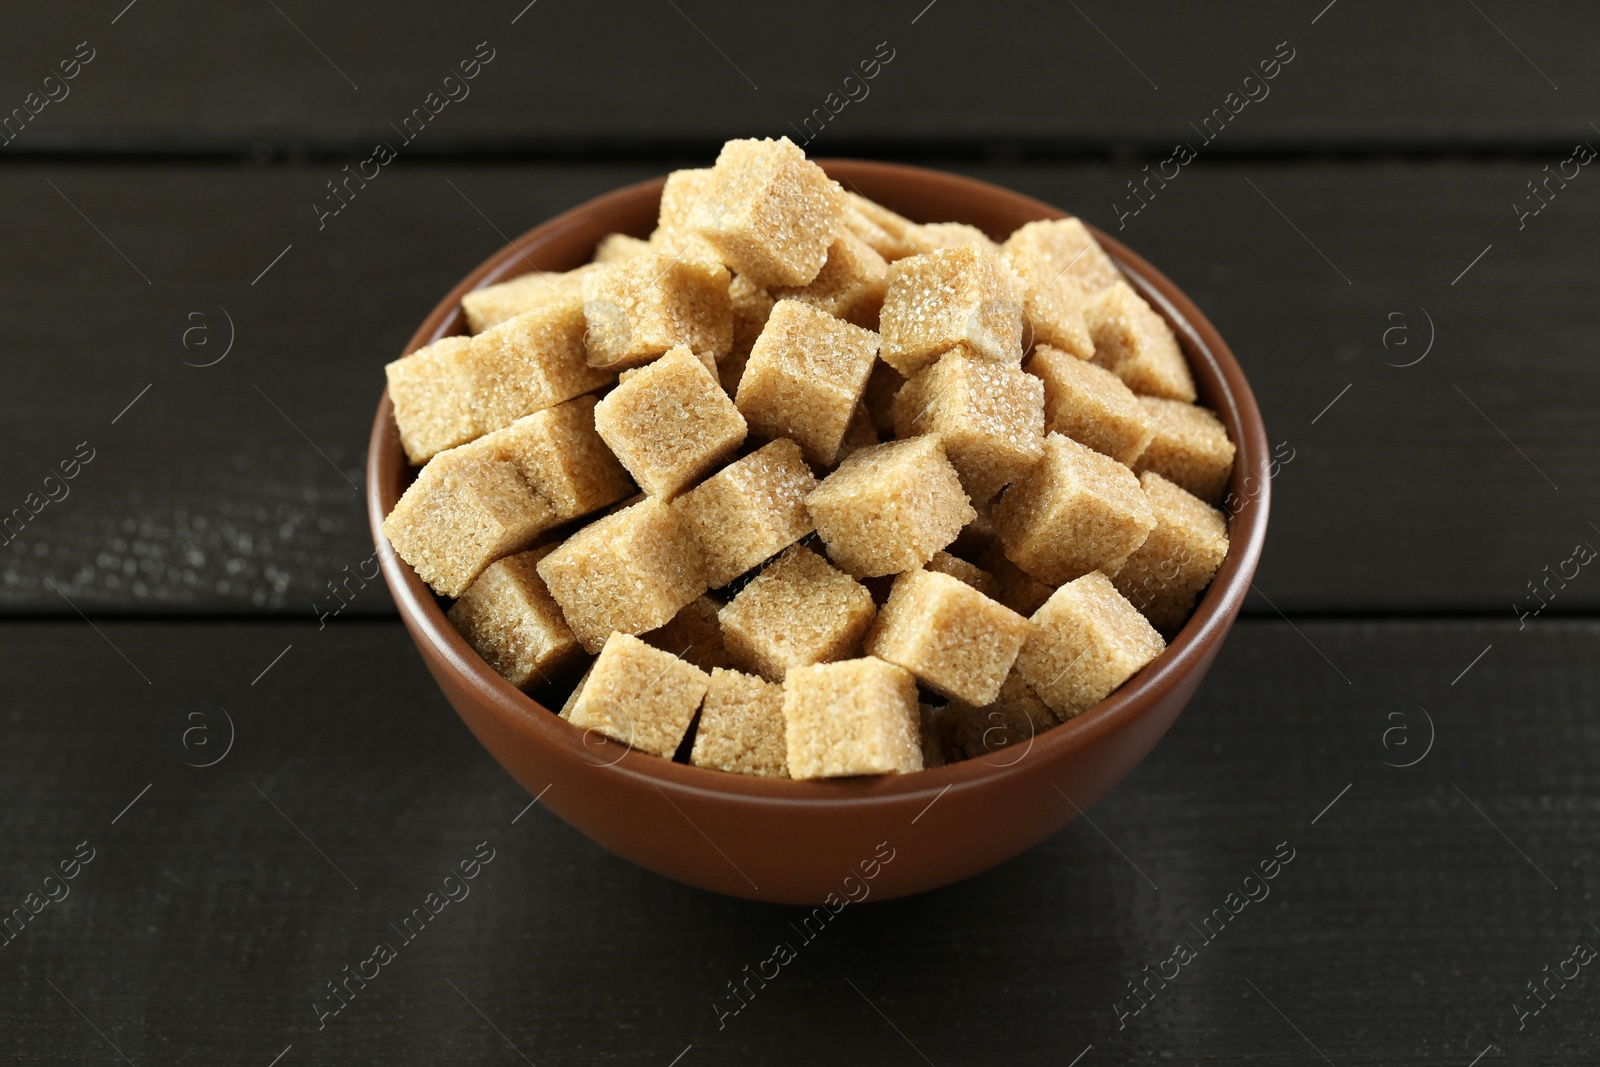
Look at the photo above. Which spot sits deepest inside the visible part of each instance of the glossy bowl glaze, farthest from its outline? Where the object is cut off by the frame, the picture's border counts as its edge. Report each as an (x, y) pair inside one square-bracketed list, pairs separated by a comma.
[(799, 842)]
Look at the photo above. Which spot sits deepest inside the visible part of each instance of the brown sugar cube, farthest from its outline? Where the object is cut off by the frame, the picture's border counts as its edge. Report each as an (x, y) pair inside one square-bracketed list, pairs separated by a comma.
[(1072, 513), (797, 611), (1008, 724), (685, 244), (957, 641), (508, 618), (1018, 590), (752, 306), (638, 309), (950, 234), (469, 507), (741, 727), (850, 285), (670, 423), (679, 195), (890, 507), (890, 235), (1053, 307), (949, 297), (706, 360), (1137, 345), (1190, 447), (532, 362), (640, 695), (769, 212), (561, 455), (1056, 317), (623, 505), (970, 573), (619, 248), (1164, 575), (630, 571), (855, 717), (882, 385), (749, 510), (1063, 250), (1090, 405), (990, 417), (431, 390), (676, 238), (694, 634), (805, 376), (864, 227), (494, 304), (673, 234), (1083, 643)]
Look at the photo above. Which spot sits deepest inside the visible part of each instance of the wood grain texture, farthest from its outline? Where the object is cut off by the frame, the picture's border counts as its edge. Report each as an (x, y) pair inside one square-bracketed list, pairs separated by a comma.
[(574, 77), (1413, 912), (231, 487)]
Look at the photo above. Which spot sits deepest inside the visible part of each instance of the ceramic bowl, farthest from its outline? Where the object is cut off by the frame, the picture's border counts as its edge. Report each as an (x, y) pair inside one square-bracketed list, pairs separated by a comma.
[(800, 842)]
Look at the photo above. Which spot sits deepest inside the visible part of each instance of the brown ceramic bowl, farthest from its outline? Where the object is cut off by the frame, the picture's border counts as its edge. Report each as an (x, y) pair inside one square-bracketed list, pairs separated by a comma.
[(799, 842)]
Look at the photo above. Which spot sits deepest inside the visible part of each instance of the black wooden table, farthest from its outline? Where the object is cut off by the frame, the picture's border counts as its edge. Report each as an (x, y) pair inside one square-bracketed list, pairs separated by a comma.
[(1397, 234)]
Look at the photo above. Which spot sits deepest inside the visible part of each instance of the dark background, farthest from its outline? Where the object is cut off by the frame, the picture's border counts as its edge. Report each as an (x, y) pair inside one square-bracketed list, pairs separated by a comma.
[(1368, 211)]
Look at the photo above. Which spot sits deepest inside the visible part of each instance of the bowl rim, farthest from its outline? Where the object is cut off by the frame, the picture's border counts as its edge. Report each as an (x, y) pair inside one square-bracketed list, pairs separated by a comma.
[(1188, 650)]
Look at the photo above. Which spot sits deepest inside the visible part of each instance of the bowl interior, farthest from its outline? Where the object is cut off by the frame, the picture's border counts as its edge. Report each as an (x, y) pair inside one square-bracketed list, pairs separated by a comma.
[(568, 240)]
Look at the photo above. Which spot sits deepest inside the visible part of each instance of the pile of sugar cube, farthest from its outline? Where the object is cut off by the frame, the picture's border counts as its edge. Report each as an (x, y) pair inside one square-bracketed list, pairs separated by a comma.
[(810, 489)]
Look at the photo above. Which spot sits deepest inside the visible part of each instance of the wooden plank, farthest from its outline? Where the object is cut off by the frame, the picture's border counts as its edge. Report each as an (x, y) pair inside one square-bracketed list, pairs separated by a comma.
[(1414, 910), (576, 77), (230, 487)]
